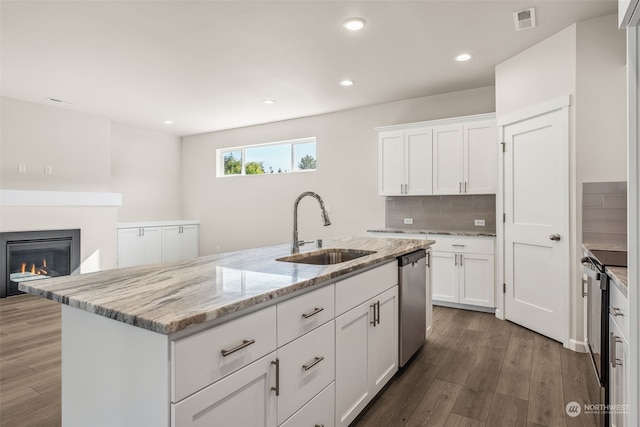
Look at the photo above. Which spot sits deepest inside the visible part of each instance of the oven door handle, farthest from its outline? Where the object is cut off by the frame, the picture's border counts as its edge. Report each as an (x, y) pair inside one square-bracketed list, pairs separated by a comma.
[(588, 268)]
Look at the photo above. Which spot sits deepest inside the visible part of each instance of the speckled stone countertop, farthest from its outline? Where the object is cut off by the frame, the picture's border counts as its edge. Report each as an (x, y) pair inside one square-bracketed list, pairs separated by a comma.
[(170, 297), (442, 232), (619, 275)]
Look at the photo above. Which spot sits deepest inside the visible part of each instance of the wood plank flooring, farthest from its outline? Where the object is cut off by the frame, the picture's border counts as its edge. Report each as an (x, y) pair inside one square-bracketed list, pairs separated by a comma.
[(474, 370)]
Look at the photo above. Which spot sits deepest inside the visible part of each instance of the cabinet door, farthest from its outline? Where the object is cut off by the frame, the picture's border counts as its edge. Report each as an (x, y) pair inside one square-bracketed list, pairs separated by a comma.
[(476, 279), (190, 242), (419, 157), (242, 399), (480, 158), (128, 247), (391, 169), (151, 241), (352, 379), (619, 390), (444, 276), (383, 341), (447, 159), (318, 412), (171, 243)]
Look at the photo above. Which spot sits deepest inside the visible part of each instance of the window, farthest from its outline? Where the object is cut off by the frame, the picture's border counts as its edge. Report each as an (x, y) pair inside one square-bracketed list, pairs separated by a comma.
[(278, 157)]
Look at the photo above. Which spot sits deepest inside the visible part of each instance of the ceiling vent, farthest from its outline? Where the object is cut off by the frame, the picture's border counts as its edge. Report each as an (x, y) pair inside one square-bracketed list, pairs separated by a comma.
[(525, 19)]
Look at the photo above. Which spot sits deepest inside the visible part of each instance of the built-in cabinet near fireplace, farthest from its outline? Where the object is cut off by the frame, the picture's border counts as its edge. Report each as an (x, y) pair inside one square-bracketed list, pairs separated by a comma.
[(34, 255)]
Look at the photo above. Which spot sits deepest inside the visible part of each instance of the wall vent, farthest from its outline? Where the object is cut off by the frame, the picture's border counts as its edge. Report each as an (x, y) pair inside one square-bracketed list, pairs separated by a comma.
[(525, 19)]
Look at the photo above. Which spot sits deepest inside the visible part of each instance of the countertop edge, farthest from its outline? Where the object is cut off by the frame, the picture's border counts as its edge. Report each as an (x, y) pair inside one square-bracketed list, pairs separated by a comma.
[(437, 232)]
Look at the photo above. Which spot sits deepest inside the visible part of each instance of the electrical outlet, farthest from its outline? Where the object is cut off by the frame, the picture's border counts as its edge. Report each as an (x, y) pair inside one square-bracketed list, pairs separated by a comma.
[(22, 168), (48, 170), (408, 221), (479, 222)]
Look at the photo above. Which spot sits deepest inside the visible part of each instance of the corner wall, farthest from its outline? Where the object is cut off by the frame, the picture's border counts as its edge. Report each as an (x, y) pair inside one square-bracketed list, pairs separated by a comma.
[(250, 211)]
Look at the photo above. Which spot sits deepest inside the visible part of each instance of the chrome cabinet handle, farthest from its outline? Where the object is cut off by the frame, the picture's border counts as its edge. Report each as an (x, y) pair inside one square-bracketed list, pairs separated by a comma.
[(277, 387), (615, 311), (245, 343), (465, 186), (613, 340), (460, 259), (457, 245), (460, 187), (373, 322), (585, 288), (316, 360), (555, 237), (319, 425), (313, 313), (378, 311), (455, 260)]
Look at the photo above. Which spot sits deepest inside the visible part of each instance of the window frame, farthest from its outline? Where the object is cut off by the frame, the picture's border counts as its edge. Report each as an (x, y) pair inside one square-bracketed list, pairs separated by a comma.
[(220, 154)]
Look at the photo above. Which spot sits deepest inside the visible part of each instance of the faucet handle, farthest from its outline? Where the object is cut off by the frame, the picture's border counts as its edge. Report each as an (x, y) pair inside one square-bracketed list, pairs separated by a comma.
[(303, 242), (319, 243)]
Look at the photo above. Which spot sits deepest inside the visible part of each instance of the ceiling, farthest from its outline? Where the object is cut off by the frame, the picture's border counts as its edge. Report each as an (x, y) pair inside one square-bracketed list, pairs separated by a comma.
[(208, 65)]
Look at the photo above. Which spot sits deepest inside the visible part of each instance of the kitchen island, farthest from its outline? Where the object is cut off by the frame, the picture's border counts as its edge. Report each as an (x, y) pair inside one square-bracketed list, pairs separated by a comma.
[(198, 342)]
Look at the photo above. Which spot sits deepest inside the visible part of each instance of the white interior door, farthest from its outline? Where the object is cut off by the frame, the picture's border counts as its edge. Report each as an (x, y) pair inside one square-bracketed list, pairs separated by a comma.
[(536, 239)]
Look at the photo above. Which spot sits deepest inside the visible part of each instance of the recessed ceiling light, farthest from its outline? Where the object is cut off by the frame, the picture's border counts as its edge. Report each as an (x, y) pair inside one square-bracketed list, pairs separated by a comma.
[(463, 57), (354, 24), (347, 83), (168, 122), (268, 101)]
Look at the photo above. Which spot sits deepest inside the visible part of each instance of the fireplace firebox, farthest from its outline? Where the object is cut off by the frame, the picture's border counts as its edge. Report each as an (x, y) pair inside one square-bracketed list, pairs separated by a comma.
[(35, 255)]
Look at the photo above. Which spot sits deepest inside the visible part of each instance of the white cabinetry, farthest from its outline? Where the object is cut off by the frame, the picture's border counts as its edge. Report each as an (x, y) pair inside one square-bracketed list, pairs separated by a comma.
[(463, 270), (154, 242), (139, 246), (366, 342), (619, 387), (179, 242), (465, 158), (449, 156), (405, 162)]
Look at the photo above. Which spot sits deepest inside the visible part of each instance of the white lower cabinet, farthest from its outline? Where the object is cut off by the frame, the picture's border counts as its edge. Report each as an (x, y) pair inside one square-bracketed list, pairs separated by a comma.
[(463, 270), (619, 384), (242, 399), (366, 353), (294, 363)]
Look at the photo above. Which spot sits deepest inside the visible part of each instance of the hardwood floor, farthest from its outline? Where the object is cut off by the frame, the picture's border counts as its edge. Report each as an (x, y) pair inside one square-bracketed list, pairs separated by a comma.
[(474, 370)]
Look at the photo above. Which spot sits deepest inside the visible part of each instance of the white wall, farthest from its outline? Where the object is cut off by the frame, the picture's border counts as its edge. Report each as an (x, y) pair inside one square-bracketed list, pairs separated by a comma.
[(86, 153), (585, 61), (251, 211), (146, 169)]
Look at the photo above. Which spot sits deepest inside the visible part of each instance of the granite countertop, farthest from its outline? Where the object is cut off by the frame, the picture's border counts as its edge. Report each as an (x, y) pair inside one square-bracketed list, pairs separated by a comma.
[(170, 297), (423, 231), (620, 278), (605, 247)]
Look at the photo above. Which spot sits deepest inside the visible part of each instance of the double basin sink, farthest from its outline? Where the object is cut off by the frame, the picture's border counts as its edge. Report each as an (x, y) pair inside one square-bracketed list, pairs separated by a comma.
[(326, 256)]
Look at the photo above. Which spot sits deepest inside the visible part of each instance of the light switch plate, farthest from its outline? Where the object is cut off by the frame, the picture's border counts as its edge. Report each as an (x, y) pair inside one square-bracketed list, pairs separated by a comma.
[(478, 222)]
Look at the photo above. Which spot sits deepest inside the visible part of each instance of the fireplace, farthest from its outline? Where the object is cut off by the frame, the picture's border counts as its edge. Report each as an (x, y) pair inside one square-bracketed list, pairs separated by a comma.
[(35, 255)]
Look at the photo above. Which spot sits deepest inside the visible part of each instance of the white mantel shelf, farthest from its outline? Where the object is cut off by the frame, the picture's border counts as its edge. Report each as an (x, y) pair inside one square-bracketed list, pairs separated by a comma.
[(58, 198)]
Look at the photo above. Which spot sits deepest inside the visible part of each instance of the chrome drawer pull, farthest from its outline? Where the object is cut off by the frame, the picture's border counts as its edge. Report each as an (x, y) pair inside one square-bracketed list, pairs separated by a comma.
[(313, 313), (245, 343), (277, 387), (613, 340), (458, 245), (319, 425), (314, 363), (615, 311)]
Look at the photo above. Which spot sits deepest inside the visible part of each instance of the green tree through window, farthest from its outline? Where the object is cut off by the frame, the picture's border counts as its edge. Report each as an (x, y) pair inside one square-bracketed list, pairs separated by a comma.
[(307, 162)]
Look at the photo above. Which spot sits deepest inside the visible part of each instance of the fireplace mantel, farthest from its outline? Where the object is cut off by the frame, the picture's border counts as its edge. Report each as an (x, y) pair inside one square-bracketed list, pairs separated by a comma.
[(58, 198)]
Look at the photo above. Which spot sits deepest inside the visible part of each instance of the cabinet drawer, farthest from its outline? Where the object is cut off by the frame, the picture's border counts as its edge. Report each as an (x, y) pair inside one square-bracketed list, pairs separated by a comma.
[(362, 287), (307, 365), (197, 361), (302, 314), (318, 412), (476, 245), (619, 302)]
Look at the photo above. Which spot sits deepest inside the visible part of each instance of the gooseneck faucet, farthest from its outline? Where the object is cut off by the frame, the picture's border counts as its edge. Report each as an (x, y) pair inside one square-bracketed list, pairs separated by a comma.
[(295, 247)]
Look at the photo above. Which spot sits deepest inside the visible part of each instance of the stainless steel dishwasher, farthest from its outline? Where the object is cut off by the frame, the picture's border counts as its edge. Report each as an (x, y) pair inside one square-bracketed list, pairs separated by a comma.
[(412, 283)]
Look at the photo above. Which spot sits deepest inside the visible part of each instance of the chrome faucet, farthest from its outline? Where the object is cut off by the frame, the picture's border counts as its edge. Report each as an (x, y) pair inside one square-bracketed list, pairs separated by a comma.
[(295, 247)]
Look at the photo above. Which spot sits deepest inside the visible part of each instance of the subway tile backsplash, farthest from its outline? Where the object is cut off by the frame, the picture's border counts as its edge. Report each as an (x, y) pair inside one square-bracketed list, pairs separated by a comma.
[(604, 212), (454, 213)]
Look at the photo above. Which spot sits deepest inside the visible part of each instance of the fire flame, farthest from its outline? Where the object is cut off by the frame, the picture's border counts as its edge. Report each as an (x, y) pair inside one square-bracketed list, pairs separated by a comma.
[(35, 270)]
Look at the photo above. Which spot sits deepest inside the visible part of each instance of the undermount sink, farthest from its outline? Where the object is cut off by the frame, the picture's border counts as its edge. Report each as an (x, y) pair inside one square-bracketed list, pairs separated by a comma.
[(326, 256)]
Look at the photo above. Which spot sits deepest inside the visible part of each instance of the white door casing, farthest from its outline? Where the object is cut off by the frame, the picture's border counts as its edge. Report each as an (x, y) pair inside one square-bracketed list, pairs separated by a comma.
[(536, 205)]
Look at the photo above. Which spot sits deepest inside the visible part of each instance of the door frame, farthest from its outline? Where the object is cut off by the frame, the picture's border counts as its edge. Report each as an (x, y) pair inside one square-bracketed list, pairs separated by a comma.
[(562, 103)]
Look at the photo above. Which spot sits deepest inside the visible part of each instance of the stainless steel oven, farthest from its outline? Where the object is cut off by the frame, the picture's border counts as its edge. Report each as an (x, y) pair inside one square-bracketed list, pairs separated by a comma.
[(596, 293)]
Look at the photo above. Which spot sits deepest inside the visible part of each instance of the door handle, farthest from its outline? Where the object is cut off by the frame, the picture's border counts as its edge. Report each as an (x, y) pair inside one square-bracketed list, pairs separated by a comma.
[(555, 237), (277, 387)]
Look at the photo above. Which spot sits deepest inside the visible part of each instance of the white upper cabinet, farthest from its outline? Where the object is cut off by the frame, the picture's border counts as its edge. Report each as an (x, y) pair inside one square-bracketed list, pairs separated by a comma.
[(465, 158), (405, 162), (450, 156)]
